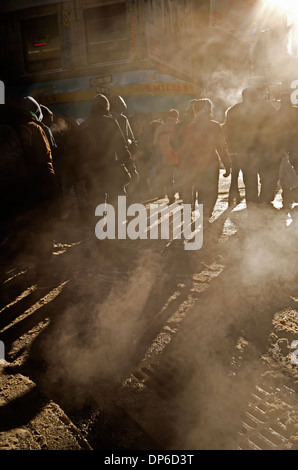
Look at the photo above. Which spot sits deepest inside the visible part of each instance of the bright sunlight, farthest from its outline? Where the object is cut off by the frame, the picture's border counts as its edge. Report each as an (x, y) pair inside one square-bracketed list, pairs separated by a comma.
[(287, 6), (290, 8)]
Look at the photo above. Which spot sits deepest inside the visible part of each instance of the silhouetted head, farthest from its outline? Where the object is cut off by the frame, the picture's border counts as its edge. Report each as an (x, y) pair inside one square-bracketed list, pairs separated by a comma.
[(48, 116), (203, 107), (155, 124), (249, 95), (100, 106), (173, 113), (31, 106), (118, 104), (190, 104)]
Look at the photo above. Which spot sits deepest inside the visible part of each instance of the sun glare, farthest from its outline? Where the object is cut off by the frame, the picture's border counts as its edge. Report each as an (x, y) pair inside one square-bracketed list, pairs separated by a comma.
[(287, 6)]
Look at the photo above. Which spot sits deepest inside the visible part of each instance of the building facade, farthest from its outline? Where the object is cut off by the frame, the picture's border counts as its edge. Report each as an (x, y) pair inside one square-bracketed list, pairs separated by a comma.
[(64, 52), (157, 54)]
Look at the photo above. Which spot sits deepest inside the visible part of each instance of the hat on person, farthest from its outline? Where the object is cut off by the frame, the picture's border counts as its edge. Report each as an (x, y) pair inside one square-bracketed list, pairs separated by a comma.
[(29, 104), (117, 104), (100, 105)]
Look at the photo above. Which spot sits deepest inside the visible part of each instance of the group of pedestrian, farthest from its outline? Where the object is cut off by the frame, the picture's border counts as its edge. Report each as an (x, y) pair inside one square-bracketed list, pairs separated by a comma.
[(44, 156), (258, 137), (253, 140)]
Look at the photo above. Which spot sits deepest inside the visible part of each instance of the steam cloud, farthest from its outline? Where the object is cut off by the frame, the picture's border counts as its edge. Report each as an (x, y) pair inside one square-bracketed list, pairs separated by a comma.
[(91, 350), (93, 345)]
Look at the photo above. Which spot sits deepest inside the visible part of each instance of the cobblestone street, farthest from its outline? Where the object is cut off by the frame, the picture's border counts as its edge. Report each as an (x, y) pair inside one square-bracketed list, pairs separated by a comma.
[(147, 346)]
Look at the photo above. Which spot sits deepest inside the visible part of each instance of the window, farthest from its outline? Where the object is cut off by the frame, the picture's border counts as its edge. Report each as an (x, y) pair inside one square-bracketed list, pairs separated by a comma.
[(41, 43), (106, 33)]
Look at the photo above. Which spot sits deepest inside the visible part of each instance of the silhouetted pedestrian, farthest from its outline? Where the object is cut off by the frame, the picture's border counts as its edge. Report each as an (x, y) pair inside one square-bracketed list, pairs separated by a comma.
[(287, 140), (117, 110), (169, 158), (202, 149), (103, 155), (148, 158), (31, 190), (249, 130), (185, 118)]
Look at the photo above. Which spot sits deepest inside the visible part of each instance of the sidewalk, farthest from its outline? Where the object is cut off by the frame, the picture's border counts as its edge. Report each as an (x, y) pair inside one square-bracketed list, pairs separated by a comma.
[(45, 427)]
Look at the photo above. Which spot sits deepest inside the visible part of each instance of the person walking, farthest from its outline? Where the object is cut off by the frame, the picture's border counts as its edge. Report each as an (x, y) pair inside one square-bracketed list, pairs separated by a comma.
[(117, 110), (103, 158), (203, 148), (169, 158), (28, 184), (287, 141), (249, 130)]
